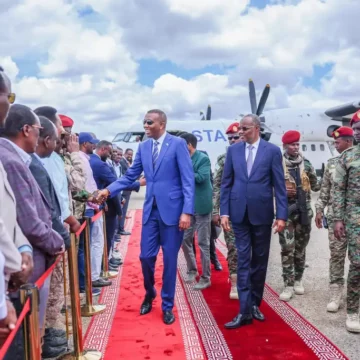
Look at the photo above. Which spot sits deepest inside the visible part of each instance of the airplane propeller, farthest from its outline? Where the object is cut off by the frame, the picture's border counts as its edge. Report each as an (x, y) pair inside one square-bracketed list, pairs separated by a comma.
[(208, 114), (258, 109)]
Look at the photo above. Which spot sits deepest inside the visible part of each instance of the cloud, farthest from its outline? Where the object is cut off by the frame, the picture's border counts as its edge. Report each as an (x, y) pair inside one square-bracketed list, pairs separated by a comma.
[(86, 65)]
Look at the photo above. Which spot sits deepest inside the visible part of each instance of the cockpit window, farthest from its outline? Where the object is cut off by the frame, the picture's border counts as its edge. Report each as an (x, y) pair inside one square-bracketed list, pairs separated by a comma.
[(120, 137), (135, 138)]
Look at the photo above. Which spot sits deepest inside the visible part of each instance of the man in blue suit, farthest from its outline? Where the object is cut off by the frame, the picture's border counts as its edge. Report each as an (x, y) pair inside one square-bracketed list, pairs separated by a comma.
[(169, 204), (253, 172)]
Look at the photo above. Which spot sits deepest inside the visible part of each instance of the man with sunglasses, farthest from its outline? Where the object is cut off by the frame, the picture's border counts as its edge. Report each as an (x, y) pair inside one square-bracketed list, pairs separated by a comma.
[(253, 171), (169, 204), (234, 137)]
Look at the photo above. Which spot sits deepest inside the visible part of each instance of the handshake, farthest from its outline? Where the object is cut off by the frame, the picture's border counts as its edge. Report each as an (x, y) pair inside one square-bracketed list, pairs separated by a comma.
[(99, 196)]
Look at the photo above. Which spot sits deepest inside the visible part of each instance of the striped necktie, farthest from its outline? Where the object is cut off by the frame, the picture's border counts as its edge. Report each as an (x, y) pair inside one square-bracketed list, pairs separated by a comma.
[(155, 154)]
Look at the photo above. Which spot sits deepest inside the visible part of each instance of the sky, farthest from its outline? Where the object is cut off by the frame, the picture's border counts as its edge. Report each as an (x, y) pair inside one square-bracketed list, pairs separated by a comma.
[(105, 63)]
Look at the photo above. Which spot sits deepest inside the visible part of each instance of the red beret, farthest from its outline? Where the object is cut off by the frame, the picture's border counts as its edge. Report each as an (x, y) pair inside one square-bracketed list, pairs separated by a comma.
[(290, 137), (66, 121), (343, 131), (233, 128), (355, 118)]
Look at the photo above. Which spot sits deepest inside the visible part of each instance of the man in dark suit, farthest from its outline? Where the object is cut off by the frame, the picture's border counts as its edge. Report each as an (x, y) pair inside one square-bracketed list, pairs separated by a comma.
[(55, 342), (169, 204), (104, 175), (125, 164), (253, 171)]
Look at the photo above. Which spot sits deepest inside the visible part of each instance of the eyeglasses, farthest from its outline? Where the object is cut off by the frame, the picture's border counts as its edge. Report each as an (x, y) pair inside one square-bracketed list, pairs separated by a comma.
[(148, 122), (11, 97), (235, 137), (33, 126), (245, 128)]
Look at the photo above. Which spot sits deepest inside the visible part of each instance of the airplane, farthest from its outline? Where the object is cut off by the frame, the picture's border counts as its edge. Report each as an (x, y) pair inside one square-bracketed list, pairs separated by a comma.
[(316, 128)]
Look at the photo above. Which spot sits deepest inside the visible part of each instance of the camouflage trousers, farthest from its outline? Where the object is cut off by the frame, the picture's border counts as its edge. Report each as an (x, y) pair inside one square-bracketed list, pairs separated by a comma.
[(293, 242), (337, 256), (232, 252), (353, 280), (56, 296)]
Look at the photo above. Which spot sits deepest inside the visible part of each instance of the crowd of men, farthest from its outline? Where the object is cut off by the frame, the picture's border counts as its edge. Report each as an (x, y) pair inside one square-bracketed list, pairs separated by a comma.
[(51, 179)]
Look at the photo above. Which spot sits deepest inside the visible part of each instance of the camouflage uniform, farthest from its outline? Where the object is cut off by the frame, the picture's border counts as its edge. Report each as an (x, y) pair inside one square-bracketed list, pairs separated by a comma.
[(337, 247), (229, 236), (296, 236), (347, 199)]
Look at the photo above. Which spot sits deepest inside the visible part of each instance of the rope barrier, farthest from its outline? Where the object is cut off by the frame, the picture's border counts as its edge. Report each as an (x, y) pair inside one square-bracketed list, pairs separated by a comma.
[(40, 282), (12, 334), (81, 229), (97, 216)]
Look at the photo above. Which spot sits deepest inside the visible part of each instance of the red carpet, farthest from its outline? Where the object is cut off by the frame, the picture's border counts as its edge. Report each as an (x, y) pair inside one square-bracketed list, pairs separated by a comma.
[(198, 333), (141, 337)]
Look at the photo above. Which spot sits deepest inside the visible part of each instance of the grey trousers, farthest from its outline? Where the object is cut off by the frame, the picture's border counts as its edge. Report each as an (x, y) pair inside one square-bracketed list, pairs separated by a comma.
[(201, 224)]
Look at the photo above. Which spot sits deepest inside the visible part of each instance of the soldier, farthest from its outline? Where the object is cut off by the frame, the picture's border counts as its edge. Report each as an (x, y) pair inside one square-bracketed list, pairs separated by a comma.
[(346, 218), (300, 179), (343, 140), (233, 136)]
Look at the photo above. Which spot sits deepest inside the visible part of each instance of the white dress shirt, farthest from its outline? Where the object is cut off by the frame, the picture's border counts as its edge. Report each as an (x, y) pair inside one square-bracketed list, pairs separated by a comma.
[(254, 150), (160, 141)]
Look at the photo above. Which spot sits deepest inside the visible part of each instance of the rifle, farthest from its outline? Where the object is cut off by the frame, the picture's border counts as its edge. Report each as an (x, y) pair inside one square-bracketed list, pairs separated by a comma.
[(301, 201)]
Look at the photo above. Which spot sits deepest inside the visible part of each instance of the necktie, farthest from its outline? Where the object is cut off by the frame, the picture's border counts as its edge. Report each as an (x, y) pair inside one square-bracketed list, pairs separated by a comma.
[(155, 152), (250, 160)]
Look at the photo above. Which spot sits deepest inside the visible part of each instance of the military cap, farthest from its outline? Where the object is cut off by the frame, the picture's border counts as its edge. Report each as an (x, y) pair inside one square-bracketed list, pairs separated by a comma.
[(342, 131), (355, 118), (290, 137), (66, 121), (233, 128)]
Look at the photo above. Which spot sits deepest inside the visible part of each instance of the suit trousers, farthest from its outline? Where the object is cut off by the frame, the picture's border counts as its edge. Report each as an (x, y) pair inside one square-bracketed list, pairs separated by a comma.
[(253, 246), (126, 195), (156, 234)]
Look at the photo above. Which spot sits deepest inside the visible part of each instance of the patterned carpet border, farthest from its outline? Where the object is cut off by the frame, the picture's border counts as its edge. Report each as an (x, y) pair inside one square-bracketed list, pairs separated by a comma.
[(313, 338), (98, 332), (212, 338)]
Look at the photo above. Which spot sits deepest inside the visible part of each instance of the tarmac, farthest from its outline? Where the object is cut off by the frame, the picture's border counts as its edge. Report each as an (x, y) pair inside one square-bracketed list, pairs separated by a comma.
[(311, 305)]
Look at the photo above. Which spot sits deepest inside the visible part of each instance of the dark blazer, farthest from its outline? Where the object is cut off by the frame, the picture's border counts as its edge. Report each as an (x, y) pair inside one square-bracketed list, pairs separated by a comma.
[(203, 188), (43, 179), (255, 193), (32, 210), (104, 175), (124, 168), (211, 174)]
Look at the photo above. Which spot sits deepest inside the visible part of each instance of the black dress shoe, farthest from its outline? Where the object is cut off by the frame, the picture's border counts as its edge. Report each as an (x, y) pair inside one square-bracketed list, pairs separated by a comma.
[(168, 317), (257, 314), (146, 306), (217, 265), (239, 320), (101, 283), (125, 233)]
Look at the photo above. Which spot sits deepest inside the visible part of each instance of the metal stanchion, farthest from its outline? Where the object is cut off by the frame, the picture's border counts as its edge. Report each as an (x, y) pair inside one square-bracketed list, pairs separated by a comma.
[(79, 353), (105, 273), (88, 309), (31, 323), (65, 298)]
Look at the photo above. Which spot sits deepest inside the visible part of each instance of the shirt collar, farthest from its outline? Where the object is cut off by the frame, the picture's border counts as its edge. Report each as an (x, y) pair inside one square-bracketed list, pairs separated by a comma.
[(161, 139), (25, 157), (84, 155), (255, 144), (39, 158)]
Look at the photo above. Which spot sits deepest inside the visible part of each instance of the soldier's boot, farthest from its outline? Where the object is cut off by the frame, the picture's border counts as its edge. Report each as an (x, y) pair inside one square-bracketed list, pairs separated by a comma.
[(336, 294), (353, 323), (233, 290), (287, 293), (299, 288)]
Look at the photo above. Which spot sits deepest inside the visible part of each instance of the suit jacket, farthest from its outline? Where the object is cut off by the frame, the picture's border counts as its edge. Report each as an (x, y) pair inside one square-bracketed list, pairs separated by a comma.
[(211, 174), (124, 167), (43, 179), (32, 210), (203, 188), (171, 182), (104, 175), (254, 193), (11, 236)]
